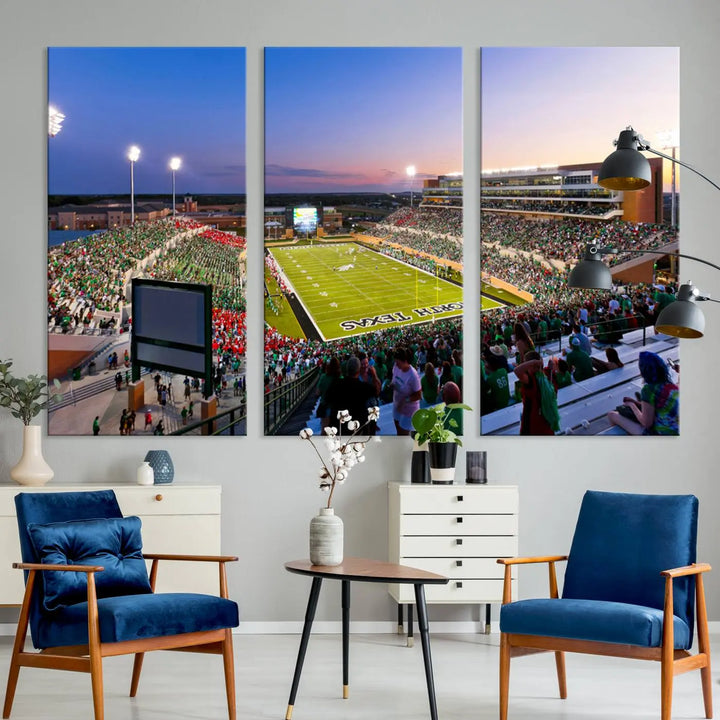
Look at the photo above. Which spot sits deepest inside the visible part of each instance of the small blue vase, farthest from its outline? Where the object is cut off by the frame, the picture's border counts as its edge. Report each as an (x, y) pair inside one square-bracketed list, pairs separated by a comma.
[(162, 466)]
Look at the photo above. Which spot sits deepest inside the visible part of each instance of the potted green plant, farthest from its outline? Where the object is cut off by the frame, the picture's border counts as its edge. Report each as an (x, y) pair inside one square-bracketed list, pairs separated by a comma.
[(436, 426), (25, 398)]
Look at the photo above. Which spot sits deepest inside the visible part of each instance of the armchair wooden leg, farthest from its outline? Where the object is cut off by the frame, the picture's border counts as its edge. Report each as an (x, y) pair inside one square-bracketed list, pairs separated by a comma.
[(229, 666), (504, 674), (704, 645), (137, 667), (666, 689), (97, 685), (96, 673), (11, 685), (560, 666), (19, 646)]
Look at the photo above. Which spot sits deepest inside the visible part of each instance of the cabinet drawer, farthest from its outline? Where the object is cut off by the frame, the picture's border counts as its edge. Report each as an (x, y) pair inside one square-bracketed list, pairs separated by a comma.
[(458, 546), (460, 568), (453, 499), (472, 591), (164, 500), (458, 524)]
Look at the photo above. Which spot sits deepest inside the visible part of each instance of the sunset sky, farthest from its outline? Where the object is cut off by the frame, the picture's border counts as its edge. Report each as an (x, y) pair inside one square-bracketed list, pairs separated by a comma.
[(185, 102), (343, 119), (566, 105)]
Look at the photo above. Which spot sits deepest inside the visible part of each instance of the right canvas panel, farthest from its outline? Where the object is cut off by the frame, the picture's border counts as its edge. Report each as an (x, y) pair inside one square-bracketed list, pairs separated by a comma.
[(570, 347)]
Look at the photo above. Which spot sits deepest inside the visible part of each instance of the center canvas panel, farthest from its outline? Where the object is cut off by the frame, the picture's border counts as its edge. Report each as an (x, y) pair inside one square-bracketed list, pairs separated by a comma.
[(363, 235), (560, 356)]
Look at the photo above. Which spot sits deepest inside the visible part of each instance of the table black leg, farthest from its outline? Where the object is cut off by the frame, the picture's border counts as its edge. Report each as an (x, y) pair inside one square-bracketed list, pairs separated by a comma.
[(425, 640), (487, 618), (346, 636), (309, 615), (400, 629), (410, 638)]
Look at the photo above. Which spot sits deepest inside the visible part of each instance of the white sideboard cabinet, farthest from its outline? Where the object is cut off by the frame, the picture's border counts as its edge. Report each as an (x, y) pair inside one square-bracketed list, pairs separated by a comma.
[(456, 530), (176, 518)]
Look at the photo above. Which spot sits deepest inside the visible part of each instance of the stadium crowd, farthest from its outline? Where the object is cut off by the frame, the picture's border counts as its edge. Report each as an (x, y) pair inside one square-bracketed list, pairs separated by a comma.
[(89, 274), (565, 239)]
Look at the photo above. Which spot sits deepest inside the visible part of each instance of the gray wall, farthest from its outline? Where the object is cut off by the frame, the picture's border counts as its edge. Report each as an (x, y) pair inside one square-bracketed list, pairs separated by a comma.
[(269, 484)]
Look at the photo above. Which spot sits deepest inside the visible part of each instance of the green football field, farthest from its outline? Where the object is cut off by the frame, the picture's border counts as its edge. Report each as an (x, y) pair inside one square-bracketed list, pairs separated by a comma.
[(349, 290)]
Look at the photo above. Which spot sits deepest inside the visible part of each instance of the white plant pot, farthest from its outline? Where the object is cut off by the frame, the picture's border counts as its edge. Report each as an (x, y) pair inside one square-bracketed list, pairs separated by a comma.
[(326, 538), (32, 470)]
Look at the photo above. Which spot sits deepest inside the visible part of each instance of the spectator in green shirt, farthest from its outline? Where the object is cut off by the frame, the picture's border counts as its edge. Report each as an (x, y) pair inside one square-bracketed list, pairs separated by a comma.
[(579, 361)]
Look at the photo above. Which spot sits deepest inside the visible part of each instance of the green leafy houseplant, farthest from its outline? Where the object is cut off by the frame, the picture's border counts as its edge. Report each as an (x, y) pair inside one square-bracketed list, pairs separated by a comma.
[(24, 397), (435, 424)]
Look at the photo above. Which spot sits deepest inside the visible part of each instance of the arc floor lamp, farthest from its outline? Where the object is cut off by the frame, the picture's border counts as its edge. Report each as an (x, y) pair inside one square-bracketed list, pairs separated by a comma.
[(628, 169)]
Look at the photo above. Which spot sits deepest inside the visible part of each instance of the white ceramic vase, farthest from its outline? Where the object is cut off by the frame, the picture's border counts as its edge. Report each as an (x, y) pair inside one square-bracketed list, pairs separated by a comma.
[(326, 538), (32, 468), (145, 474)]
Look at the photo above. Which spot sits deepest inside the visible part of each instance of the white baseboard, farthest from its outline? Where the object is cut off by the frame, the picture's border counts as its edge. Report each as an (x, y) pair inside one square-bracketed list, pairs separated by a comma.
[(359, 627)]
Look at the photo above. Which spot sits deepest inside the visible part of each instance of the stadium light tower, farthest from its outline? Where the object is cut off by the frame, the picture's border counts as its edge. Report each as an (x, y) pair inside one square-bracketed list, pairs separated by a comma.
[(175, 164), (410, 170), (55, 121), (133, 155), (669, 141)]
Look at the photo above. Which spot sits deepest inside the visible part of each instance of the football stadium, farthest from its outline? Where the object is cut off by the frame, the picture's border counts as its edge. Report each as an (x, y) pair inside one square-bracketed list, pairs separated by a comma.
[(360, 294)]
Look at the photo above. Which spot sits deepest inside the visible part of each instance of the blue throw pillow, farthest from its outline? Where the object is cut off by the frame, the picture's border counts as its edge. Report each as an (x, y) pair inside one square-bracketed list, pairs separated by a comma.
[(113, 543)]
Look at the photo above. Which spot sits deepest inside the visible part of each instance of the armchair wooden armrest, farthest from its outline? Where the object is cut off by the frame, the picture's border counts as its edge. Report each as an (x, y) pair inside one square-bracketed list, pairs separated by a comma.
[(193, 558), (509, 562), (668, 636), (68, 568), (693, 569), (527, 560), (221, 559)]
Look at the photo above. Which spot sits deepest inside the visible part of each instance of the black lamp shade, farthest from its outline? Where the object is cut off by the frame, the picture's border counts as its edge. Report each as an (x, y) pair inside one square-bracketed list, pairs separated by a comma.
[(626, 168), (591, 273), (682, 318)]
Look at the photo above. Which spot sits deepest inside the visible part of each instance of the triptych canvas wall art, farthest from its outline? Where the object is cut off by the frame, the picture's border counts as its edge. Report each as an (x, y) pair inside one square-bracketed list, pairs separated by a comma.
[(362, 240)]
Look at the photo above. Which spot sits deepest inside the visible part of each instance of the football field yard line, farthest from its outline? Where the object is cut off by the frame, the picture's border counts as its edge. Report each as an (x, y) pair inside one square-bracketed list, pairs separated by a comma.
[(376, 287)]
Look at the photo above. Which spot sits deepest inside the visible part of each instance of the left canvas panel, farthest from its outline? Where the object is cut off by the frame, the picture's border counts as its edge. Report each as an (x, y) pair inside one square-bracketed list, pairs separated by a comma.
[(146, 241)]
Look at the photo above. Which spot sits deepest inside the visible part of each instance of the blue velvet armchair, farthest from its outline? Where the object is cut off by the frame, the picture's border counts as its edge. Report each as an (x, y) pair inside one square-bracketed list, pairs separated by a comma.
[(88, 595), (632, 589)]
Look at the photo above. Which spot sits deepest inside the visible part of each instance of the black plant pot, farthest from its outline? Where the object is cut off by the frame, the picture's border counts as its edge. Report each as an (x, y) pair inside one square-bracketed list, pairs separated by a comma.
[(442, 462)]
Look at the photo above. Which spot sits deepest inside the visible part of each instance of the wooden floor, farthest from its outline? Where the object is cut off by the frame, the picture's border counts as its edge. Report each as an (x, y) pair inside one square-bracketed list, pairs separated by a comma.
[(386, 682)]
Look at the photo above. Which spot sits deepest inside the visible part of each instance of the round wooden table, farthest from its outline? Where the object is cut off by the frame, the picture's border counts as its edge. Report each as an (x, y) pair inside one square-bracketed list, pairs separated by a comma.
[(363, 570)]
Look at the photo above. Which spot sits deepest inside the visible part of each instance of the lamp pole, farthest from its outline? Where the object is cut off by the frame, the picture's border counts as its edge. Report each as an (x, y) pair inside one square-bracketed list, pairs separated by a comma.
[(133, 155), (174, 165), (410, 170)]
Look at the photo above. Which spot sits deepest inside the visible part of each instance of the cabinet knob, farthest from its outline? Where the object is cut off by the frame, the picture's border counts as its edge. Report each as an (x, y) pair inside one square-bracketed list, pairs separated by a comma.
[(158, 497), (458, 541), (458, 563), (458, 584), (459, 498), (459, 519)]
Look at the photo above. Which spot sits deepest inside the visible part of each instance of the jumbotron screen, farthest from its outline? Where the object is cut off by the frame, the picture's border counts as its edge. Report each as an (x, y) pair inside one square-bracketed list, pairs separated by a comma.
[(305, 219)]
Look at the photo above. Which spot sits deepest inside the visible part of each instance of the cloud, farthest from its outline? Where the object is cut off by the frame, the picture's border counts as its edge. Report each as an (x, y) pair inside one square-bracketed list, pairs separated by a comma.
[(225, 171), (285, 171)]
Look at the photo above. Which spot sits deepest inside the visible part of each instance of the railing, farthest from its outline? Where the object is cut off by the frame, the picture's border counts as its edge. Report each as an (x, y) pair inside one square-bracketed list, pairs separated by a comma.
[(224, 423), (281, 402), (619, 325)]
